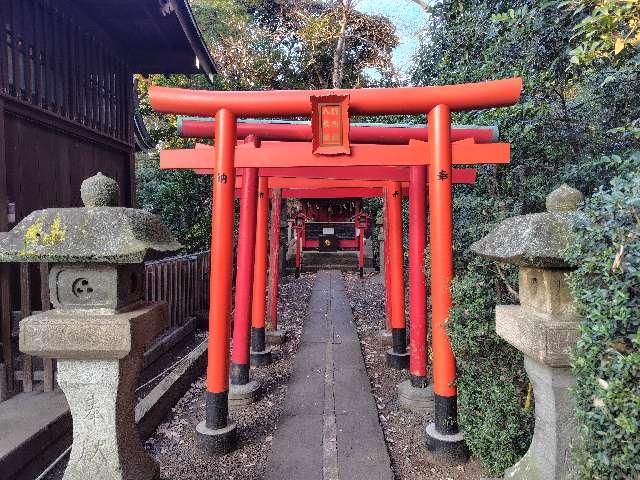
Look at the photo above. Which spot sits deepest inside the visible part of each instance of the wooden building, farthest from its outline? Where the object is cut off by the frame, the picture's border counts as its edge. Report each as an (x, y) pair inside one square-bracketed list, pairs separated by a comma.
[(67, 105)]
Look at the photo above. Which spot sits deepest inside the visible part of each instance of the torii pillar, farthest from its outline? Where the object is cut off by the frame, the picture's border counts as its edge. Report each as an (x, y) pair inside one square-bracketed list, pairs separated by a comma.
[(443, 435), (216, 434), (260, 353), (274, 335)]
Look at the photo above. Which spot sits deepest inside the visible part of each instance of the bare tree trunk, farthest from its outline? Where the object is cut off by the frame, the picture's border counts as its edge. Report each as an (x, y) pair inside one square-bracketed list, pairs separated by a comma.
[(423, 4), (339, 52)]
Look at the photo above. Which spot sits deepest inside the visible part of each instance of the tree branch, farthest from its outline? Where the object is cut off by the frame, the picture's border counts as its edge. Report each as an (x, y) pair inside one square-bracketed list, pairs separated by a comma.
[(424, 5), (511, 290)]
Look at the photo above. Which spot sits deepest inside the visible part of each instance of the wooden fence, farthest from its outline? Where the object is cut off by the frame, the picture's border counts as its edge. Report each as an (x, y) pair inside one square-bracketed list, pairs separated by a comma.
[(181, 281)]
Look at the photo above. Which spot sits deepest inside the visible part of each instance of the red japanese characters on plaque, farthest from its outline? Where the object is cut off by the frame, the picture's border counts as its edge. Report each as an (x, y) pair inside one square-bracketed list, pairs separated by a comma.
[(330, 124)]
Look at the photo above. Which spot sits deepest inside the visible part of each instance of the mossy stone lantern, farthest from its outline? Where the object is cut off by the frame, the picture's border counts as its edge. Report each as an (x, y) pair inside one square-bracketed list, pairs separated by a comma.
[(100, 323), (544, 326)]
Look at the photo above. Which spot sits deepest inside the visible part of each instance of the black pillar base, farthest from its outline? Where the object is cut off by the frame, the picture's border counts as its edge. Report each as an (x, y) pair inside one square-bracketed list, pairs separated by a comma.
[(385, 337), (216, 435), (397, 360), (218, 441), (361, 272), (261, 358), (447, 449), (245, 394), (239, 374), (275, 337), (444, 439), (297, 272)]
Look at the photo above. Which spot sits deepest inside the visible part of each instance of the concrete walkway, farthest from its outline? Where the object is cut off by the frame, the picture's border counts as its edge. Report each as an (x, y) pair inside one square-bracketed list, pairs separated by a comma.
[(329, 429)]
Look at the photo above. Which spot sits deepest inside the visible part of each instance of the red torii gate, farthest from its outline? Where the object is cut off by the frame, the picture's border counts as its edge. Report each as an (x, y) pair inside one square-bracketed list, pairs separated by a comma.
[(330, 147), (314, 182)]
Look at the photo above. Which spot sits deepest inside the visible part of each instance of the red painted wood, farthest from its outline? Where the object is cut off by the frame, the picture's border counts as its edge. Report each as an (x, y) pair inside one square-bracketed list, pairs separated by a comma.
[(221, 256), (362, 101), (283, 154), (274, 257), (297, 132), (417, 281), (244, 268), (441, 244)]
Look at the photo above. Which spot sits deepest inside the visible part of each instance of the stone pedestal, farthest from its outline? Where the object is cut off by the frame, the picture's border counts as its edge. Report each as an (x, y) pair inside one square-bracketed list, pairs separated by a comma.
[(415, 399), (397, 360), (99, 360), (275, 337), (261, 358), (101, 396), (385, 336), (245, 394), (549, 455)]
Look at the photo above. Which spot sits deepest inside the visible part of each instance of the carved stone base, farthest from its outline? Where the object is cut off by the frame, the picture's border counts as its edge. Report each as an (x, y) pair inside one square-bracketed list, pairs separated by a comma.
[(549, 456), (415, 399), (101, 397), (385, 337), (275, 337)]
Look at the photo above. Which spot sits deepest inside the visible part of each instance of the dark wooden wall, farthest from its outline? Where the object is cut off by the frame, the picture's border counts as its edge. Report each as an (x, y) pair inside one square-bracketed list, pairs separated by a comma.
[(66, 113), (46, 164), (67, 98)]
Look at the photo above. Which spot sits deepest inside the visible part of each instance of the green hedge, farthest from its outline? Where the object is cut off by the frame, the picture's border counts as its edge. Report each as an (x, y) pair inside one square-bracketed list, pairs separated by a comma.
[(494, 408), (606, 360)]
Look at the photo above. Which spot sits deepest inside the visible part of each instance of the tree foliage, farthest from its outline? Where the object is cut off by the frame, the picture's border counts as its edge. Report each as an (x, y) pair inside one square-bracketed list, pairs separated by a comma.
[(569, 116), (606, 359), (259, 44)]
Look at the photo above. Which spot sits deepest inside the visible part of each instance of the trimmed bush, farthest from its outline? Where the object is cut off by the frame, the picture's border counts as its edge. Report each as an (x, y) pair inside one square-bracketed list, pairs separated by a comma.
[(494, 408), (606, 360)]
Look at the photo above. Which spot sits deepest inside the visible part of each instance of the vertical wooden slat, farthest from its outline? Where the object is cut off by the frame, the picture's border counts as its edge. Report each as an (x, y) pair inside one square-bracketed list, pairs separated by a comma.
[(59, 66), (94, 84), (155, 274), (190, 285), (84, 75), (3, 50), (182, 290), (174, 292), (29, 49), (8, 44), (166, 288), (177, 319), (5, 294), (77, 73), (40, 45), (100, 84), (5, 327), (18, 49), (109, 96), (25, 310), (52, 81), (65, 62), (48, 367)]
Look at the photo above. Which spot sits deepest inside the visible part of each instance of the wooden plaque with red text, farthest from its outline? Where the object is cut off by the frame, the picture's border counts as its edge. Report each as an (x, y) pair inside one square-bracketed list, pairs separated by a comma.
[(330, 124)]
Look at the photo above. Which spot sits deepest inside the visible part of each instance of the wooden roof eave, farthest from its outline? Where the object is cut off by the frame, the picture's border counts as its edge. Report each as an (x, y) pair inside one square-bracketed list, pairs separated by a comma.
[(194, 37)]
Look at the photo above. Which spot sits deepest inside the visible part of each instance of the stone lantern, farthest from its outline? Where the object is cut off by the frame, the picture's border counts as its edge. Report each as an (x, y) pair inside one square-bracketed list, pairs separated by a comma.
[(100, 324), (544, 326)]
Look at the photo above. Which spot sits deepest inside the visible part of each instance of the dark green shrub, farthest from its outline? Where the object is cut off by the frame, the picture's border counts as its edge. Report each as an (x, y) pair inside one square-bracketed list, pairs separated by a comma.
[(606, 360), (492, 384)]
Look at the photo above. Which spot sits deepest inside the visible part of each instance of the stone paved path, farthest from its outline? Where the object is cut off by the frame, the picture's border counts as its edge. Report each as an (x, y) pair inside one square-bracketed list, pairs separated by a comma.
[(329, 429)]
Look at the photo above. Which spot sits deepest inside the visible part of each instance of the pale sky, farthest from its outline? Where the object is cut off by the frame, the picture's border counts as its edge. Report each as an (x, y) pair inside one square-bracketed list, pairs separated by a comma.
[(408, 18)]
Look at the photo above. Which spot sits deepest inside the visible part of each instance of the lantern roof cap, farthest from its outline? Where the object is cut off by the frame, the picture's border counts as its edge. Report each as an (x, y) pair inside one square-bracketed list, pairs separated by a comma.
[(99, 232), (534, 240)]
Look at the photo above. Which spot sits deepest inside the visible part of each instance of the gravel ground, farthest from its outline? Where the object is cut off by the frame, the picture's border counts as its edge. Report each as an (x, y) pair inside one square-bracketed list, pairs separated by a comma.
[(173, 444), (403, 430)]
